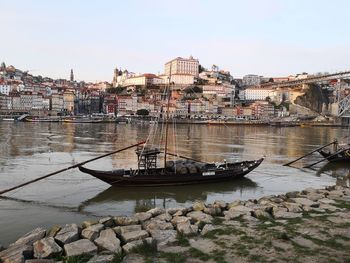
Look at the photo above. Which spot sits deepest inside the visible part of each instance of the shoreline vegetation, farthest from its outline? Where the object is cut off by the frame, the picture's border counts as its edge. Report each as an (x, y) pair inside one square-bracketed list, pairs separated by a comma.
[(312, 225)]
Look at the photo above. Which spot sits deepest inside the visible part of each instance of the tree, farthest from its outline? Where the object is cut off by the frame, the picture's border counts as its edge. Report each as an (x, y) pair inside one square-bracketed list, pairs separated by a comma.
[(200, 68), (3, 66), (142, 112)]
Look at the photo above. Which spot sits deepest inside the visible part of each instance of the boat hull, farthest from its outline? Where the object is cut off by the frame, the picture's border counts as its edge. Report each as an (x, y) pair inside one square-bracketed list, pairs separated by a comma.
[(341, 157), (162, 177)]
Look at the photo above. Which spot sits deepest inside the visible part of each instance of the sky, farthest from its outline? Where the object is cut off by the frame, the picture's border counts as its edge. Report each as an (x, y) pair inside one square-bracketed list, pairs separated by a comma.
[(265, 37)]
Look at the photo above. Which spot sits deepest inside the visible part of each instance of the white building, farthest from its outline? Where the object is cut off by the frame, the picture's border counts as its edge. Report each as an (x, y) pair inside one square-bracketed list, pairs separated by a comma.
[(182, 79), (258, 93), (182, 66)]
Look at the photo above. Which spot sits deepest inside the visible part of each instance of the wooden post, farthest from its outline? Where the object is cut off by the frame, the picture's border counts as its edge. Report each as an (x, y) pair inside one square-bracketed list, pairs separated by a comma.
[(324, 146), (68, 168)]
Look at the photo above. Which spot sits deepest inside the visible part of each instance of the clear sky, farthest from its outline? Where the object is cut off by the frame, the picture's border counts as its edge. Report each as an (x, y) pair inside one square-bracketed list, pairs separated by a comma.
[(266, 37)]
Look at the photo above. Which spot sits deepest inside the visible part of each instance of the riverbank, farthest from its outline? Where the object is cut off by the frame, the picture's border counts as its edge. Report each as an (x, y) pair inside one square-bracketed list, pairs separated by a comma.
[(307, 226)]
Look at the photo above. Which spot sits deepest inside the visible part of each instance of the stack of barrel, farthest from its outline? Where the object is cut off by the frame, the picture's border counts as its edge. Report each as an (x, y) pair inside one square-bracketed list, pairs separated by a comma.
[(184, 167)]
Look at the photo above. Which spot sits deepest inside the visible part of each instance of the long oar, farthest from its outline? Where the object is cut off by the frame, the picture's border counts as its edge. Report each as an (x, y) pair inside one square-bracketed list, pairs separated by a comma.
[(326, 158), (324, 146), (68, 168)]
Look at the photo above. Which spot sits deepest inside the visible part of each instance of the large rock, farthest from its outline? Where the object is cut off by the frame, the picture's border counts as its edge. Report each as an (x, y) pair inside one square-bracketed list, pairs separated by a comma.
[(31, 237), (212, 210), (40, 261), (119, 230), (179, 219), (288, 215), (304, 202), (164, 217), (164, 237), (237, 211), (46, 248), (107, 221), (220, 203), (157, 224), (327, 201), (304, 242), (204, 245), (293, 194), (143, 216), (68, 234), (199, 216), (80, 247), (135, 235), (156, 211), (16, 253), (88, 223), (207, 228), (125, 220), (198, 206), (173, 210), (335, 194), (129, 246), (293, 207), (260, 214), (101, 259), (92, 232), (186, 228), (108, 241), (53, 231)]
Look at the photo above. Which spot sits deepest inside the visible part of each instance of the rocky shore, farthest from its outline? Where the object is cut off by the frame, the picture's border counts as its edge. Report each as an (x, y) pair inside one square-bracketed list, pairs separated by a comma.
[(308, 226)]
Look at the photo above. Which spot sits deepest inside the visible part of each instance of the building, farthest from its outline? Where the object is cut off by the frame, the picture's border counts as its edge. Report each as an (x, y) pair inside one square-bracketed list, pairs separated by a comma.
[(5, 89), (258, 93), (68, 101), (182, 79), (182, 66)]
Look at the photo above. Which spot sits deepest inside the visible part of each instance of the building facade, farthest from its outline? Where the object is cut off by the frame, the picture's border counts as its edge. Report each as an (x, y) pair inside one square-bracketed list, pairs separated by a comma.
[(182, 66)]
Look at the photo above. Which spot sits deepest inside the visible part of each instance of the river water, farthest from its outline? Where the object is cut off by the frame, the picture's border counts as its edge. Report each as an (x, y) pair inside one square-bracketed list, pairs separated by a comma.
[(30, 150)]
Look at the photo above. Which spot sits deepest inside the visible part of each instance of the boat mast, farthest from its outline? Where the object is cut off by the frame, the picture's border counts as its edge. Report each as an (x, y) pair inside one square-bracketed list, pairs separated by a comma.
[(167, 120)]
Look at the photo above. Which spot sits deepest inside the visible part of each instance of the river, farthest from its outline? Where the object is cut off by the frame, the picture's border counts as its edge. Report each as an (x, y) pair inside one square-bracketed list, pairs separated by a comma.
[(30, 150)]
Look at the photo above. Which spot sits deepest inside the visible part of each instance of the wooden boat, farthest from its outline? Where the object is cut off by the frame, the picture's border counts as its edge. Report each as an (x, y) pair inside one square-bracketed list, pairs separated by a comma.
[(207, 173), (177, 172), (342, 156)]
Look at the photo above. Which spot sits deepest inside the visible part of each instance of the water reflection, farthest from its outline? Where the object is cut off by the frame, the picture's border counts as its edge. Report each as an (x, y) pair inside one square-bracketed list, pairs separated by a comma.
[(145, 198)]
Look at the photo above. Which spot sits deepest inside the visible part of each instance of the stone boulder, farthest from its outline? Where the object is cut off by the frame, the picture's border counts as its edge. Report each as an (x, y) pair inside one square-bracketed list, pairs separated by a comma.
[(119, 230), (107, 221), (134, 235), (53, 231), (46, 248), (16, 253), (199, 216), (186, 228), (88, 223), (198, 206), (109, 241), (68, 234), (80, 247), (179, 219), (237, 211), (92, 232), (293, 207), (212, 210), (182, 210), (207, 228), (157, 224), (220, 203), (125, 220), (260, 214), (143, 216), (164, 217), (31, 237), (164, 237), (40, 261), (304, 202), (156, 211)]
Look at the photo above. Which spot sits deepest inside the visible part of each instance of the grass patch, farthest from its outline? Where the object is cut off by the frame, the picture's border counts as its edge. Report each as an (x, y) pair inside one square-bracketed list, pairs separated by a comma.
[(147, 250), (218, 256), (332, 242), (241, 250), (342, 204), (223, 231), (182, 240), (173, 257), (249, 239), (118, 257), (199, 254), (257, 258), (217, 221), (78, 259)]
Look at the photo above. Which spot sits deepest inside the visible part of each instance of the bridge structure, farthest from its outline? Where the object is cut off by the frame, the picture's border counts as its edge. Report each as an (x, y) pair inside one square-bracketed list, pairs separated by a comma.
[(342, 97)]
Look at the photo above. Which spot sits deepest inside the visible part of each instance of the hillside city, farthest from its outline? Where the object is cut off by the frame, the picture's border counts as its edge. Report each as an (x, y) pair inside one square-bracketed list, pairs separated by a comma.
[(196, 93)]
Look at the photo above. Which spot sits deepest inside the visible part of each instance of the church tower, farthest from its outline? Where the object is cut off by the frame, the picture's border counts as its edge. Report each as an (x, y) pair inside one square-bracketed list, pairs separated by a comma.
[(71, 75)]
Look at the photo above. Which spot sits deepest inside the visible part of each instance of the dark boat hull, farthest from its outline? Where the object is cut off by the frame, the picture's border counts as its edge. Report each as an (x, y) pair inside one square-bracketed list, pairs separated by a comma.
[(162, 177), (341, 157)]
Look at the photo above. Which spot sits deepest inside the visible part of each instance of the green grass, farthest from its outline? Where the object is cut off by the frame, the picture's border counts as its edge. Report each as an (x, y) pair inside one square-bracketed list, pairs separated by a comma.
[(217, 221), (78, 259), (241, 250), (218, 256), (331, 243), (148, 251), (223, 231), (199, 254), (342, 204), (173, 257), (182, 240), (118, 257)]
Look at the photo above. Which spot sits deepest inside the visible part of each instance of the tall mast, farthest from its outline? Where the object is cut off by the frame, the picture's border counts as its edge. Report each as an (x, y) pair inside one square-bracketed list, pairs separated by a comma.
[(167, 120)]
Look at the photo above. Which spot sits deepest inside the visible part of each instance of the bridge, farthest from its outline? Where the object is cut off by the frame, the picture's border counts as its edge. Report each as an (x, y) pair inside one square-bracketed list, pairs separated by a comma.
[(309, 80)]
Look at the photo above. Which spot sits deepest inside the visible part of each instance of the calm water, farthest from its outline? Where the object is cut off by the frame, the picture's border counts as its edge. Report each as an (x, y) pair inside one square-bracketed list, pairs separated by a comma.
[(29, 150)]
